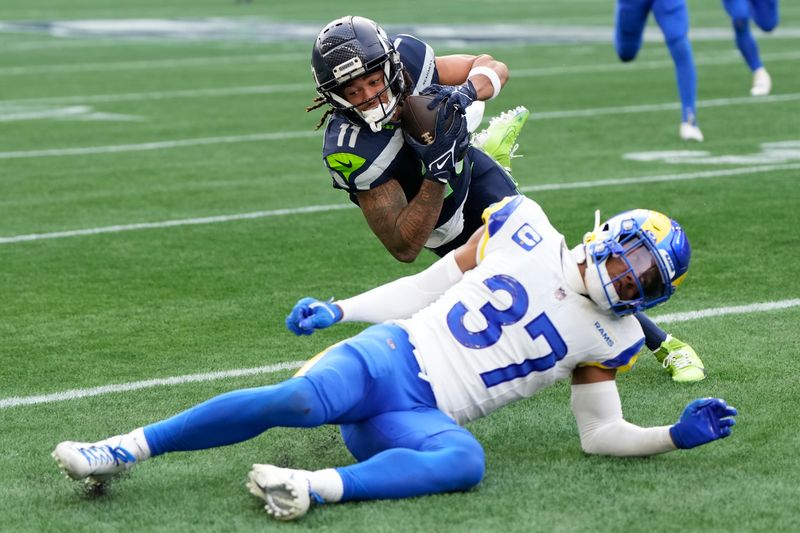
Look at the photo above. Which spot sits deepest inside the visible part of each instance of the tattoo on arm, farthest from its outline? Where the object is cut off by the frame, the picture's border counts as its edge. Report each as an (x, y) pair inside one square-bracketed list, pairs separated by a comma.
[(403, 227)]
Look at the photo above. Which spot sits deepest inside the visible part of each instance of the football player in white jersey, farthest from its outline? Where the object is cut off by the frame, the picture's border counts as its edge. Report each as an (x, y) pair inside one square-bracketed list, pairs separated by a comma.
[(363, 75), (498, 319)]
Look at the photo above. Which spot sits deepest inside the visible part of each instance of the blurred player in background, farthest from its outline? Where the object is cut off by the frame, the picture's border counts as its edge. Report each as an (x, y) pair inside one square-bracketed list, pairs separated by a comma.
[(765, 14), (500, 318), (363, 76), (672, 17)]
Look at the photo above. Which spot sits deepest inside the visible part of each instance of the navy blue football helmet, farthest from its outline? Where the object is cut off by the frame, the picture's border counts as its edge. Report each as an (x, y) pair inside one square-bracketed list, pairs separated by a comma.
[(350, 47)]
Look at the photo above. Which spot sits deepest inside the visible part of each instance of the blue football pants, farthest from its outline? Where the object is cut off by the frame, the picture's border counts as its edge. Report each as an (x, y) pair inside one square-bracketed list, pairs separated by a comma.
[(369, 385), (763, 12), (672, 17)]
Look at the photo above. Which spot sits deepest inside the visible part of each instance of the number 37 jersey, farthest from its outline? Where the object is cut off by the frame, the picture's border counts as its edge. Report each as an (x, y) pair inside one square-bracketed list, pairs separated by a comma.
[(517, 322)]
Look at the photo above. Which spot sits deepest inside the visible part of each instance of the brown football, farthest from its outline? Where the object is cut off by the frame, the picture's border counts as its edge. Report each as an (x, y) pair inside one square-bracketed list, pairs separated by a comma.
[(419, 121)]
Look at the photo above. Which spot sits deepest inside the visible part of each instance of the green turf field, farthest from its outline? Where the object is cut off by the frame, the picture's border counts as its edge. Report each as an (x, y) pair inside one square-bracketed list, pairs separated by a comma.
[(155, 223)]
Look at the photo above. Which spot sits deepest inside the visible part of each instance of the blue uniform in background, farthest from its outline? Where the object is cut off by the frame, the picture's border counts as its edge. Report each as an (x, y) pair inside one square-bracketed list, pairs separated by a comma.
[(763, 12), (360, 160), (672, 17)]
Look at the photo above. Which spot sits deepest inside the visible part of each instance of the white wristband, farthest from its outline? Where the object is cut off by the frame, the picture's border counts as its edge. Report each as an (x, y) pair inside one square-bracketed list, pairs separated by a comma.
[(489, 73)]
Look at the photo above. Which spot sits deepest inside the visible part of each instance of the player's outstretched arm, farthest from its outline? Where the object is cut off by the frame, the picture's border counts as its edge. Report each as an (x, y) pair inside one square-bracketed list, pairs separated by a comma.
[(398, 299), (604, 431)]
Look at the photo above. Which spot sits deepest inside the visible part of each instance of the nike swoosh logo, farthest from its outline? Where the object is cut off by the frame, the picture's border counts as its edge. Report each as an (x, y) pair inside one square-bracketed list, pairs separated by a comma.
[(440, 166), (349, 164)]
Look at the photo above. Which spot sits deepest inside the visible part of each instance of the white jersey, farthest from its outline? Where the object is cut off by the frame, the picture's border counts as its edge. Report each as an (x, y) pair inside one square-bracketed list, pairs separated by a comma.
[(517, 322)]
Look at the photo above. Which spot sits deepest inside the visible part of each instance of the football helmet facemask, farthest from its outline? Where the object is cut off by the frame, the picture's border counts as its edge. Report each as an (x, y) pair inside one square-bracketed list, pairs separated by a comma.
[(350, 47), (654, 249)]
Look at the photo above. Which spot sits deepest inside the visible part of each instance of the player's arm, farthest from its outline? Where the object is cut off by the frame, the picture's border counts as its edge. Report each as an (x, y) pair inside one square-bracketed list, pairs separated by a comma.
[(486, 74), (397, 299), (603, 430), (402, 226)]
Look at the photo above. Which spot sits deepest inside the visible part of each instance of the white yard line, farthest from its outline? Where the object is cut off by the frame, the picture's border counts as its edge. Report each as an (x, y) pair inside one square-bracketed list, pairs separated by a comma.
[(159, 145), (147, 64), (75, 394), (706, 174), (178, 143), (161, 95), (172, 223)]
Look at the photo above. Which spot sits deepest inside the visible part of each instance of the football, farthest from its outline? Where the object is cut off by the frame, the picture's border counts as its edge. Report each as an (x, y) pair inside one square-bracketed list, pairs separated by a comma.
[(419, 121)]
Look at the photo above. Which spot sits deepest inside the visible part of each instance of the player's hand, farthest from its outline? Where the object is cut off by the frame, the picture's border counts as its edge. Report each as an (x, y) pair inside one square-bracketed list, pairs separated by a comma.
[(702, 421), (448, 147), (458, 97), (310, 314)]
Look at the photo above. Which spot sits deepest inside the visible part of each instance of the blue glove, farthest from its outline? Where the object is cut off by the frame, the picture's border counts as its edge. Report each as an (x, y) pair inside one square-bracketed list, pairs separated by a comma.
[(448, 147), (458, 97), (702, 421), (310, 314)]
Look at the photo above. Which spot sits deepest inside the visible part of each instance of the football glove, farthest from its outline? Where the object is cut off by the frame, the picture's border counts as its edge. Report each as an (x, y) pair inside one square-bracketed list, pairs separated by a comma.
[(310, 314), (458, 97), (702, 421), (448, 147)]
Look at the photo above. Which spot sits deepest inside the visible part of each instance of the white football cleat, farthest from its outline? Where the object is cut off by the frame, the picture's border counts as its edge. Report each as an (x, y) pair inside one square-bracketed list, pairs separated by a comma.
[(94, 462), (762, 82), (287, 492), (690, 132)]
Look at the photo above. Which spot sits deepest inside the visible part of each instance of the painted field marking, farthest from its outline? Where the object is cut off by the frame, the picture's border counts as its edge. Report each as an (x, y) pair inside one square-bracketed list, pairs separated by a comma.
[(147, 64), (75, 394), (273, 136), (706, 174), (189, 62)]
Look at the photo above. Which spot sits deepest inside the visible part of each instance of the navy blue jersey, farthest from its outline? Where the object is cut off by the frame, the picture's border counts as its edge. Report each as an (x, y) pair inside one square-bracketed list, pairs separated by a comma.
[(359, 159)]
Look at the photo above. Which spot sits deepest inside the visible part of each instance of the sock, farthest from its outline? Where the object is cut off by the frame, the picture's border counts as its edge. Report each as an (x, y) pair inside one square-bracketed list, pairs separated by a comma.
[(135, 442), (327, 484), (653, 335)]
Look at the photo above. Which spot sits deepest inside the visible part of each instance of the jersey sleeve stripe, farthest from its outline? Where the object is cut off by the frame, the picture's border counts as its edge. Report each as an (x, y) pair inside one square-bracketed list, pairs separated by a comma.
[(624, 361), (497, 214), (381, 163)]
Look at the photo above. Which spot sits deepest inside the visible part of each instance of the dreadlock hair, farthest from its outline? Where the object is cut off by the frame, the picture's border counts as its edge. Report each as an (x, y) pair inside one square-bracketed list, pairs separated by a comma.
[(320, 101)]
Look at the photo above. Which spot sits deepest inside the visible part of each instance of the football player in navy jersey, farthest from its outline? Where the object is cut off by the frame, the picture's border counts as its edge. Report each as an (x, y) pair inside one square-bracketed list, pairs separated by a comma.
[(414, 195), (502, 317), (364, 75), (672, 17), (765, 14)]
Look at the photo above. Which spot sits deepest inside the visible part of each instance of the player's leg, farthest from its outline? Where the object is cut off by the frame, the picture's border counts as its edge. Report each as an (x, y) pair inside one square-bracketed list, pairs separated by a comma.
[(739, 12), (435, 455), (677, 358), (672, 17), (411, 453), (402, 454), (629, 21), (332, 384), (765, 14)]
